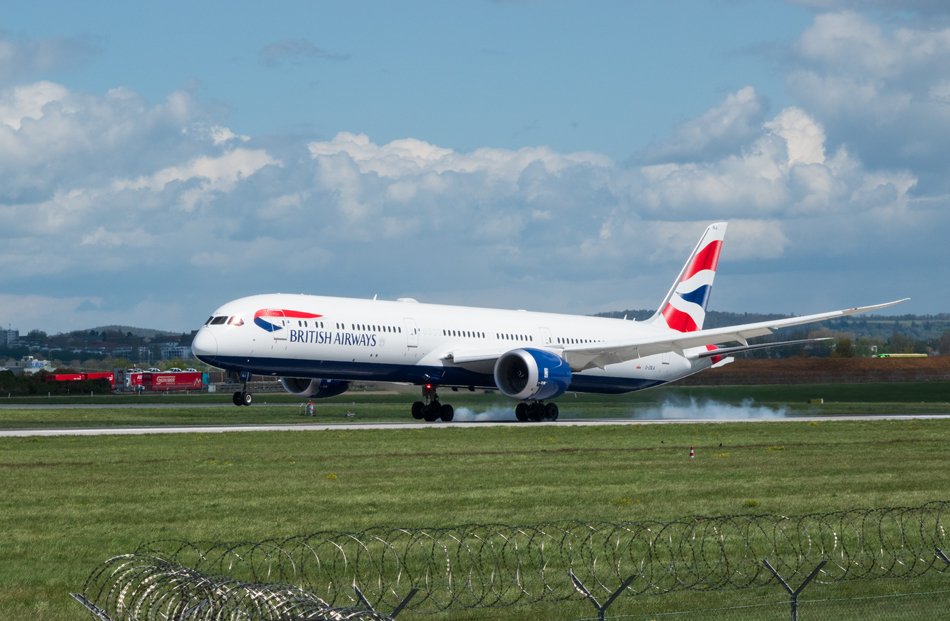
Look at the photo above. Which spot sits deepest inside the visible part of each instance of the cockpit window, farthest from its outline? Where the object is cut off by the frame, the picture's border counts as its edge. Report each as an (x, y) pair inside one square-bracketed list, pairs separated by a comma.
[(233, 320)]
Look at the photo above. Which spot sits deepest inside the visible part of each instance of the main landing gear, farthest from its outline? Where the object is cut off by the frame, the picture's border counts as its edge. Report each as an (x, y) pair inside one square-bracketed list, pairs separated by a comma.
[(243, 397), (430, 408), (536, 411)]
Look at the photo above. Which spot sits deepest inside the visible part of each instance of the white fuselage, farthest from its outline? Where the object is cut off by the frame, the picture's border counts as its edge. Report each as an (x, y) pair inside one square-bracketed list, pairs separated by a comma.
[(304, 336)]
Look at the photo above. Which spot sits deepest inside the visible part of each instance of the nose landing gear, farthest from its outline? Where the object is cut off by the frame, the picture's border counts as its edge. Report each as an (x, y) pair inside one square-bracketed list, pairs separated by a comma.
[(243, 397)]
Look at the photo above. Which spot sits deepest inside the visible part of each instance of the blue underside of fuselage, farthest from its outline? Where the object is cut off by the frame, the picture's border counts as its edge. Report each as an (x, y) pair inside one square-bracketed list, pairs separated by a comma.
[(406, 373)]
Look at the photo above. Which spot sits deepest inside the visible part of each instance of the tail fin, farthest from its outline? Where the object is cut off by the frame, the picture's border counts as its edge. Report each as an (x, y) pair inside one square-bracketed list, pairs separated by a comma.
[(684, 308)]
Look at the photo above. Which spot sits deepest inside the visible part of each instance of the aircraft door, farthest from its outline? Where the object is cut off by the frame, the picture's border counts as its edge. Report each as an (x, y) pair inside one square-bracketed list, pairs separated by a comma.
[(412, 332), (545, 335), (280, 335)]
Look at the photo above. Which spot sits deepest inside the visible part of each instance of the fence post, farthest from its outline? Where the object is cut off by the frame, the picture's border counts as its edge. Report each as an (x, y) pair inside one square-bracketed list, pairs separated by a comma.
[(94, 610), (793, 594), (601, 609), (396, 610)]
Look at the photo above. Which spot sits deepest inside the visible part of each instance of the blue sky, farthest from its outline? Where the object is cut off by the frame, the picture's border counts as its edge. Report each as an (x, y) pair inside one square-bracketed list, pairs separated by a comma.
[(159, 159)]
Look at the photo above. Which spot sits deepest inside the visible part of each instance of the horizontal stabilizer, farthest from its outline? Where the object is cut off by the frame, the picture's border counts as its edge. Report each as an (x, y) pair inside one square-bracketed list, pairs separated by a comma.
[(725, 351)]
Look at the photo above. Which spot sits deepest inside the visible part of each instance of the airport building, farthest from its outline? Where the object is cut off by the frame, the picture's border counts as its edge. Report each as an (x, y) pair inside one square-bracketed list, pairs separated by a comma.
[(175, 352), (9, 338)]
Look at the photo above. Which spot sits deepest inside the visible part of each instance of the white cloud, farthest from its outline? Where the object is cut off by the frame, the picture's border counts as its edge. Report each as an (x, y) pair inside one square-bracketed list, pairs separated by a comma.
[(880, 91), (27, 102), (719, 131), (804, 138), (129, 208), (213, 174), (412, 157)]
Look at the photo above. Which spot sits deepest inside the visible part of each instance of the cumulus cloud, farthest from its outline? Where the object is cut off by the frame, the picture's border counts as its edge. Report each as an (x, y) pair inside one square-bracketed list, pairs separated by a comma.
[(924, 9), (717, 132), (103, 197), (880, 91), (783, 171)]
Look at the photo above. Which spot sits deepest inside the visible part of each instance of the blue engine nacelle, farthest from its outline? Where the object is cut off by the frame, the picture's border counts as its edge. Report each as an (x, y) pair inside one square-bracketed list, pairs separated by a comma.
[(532, 374), (313, 388)]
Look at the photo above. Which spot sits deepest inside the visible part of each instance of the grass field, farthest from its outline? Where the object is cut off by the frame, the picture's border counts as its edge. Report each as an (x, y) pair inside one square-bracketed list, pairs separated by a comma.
[(69, 503), (692, 401)]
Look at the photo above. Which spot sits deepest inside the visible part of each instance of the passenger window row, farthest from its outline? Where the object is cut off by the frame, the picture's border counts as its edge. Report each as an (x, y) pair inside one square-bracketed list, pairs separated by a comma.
[(362, 327), (464, 333)]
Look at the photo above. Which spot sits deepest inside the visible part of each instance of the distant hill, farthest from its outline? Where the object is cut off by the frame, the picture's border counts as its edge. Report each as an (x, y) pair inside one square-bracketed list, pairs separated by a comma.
[(881, 327), (145, 333), (915, 327)]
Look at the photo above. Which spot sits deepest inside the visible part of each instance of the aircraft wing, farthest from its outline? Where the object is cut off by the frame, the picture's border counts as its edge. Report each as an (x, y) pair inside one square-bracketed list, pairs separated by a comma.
[(581, 357), (587, 357)]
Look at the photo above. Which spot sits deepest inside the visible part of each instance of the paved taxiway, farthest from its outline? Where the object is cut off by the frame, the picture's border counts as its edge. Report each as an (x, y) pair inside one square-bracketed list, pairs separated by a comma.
[(127, 431)]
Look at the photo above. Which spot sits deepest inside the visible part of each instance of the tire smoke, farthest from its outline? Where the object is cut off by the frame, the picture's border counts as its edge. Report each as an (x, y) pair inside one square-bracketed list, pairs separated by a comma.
[(693, 409)]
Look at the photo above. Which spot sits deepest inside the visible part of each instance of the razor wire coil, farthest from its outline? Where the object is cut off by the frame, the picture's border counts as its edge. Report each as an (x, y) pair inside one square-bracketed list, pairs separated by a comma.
[(496, 565)]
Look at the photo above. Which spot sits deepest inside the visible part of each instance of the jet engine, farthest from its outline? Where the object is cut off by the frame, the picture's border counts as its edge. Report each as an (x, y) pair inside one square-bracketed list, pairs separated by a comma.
[(314, 388), (532, 374)]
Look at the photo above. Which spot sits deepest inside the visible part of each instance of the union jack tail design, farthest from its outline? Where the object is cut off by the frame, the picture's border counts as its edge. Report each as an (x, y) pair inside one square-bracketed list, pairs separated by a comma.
[(684, 308)]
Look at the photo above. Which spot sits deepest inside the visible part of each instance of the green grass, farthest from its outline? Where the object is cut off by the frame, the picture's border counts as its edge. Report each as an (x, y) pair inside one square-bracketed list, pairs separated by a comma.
[(69, 502), (281, 408)]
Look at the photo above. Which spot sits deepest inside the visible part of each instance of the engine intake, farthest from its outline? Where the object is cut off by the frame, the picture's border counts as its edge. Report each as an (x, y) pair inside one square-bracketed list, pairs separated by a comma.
[(532, 374), (313, 388)]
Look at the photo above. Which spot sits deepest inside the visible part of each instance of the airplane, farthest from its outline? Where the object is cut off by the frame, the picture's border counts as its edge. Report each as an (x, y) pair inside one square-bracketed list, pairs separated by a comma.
[(318, 345)]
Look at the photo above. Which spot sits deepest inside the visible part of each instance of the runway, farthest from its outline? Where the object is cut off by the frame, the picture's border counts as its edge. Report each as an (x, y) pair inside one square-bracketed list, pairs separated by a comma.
[(135, 431)]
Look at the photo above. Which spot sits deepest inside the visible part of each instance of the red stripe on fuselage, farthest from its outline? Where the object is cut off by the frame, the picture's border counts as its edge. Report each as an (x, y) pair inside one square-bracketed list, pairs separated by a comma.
[(279, 312)]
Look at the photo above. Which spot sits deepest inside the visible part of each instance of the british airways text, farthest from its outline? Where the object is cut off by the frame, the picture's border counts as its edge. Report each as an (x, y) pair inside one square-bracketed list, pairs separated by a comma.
[(326, 337)]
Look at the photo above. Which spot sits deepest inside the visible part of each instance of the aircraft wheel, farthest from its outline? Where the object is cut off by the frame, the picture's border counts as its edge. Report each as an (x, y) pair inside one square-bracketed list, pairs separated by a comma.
[(432, 412), (536, 412), (447, 412), (236, 398), (247, 398), (550, 411), (418, 410), (521, 411)]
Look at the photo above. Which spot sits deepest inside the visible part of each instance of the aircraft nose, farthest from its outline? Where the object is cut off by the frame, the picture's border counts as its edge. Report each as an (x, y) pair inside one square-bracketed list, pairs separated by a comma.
[(204, 344)]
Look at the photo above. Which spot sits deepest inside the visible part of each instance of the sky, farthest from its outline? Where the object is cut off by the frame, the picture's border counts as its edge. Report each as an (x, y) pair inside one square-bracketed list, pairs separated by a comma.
[(158, 159)]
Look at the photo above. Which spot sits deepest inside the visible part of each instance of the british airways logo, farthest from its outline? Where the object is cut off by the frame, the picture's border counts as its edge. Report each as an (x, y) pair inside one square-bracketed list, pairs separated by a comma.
[(269, 319), (261, 315)]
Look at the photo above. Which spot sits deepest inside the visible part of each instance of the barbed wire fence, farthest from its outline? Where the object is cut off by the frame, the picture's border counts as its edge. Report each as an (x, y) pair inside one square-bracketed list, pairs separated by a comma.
[(335, 575)]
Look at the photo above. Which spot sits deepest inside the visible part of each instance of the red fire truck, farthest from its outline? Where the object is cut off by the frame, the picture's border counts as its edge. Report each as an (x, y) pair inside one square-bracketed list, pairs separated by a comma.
[(109, 376), (174, 380)]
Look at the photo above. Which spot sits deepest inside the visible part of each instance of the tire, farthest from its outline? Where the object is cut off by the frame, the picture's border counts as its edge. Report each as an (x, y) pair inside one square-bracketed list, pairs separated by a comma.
[(247, 398), (447, 412), (521, 411), (536, 412), (432, 412), (236, 398), (550, 411), (418, 410)]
